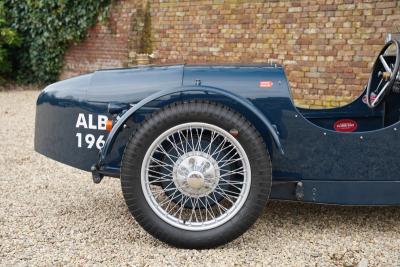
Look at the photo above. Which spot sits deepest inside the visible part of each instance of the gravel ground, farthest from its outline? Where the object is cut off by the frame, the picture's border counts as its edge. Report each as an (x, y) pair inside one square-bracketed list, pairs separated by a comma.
[(51, 214)]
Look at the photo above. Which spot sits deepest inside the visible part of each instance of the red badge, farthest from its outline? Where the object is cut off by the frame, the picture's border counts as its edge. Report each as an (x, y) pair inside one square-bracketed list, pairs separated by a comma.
[(266, 84), (345, 125)]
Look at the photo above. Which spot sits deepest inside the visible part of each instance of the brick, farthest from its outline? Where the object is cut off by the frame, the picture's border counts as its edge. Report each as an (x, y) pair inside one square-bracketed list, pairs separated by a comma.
[(294, 9), (391, 4)]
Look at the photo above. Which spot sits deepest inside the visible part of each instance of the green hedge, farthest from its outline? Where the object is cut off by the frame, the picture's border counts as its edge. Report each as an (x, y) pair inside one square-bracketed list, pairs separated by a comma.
[(47, 28), (8, 40)]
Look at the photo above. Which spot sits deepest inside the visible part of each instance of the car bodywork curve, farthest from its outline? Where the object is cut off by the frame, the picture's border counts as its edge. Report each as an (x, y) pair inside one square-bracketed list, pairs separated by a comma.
[(312, 162)]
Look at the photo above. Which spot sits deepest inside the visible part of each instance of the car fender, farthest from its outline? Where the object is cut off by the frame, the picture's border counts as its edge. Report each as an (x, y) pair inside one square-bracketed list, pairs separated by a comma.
[(105, 151)]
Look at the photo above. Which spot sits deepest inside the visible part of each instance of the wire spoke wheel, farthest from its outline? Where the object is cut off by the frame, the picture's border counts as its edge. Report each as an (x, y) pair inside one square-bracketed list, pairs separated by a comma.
[(191, 183), (196, 176)]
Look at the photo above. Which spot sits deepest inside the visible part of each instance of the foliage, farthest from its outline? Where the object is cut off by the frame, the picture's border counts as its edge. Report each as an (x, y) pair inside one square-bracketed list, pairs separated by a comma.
[(47, 28), (146, 43), (8, 39)]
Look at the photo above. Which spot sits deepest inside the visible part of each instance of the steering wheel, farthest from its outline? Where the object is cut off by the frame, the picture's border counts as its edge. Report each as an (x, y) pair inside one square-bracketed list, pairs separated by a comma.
[(376, 91)]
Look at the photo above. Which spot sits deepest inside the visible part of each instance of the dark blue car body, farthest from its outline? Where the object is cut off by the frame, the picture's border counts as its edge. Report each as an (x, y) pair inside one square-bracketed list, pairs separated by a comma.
[(312, 161)]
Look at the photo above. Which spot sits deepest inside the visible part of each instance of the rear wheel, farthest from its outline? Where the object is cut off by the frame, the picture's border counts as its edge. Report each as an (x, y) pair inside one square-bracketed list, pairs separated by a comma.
[(196, 175)]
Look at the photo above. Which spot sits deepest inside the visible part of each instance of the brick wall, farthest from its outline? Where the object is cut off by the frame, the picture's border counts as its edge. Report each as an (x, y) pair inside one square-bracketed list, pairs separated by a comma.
[(107, 44), (326, 46)]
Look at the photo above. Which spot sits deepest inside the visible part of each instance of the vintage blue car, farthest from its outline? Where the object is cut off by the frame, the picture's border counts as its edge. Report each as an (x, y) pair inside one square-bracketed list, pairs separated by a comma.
[(200, 149)]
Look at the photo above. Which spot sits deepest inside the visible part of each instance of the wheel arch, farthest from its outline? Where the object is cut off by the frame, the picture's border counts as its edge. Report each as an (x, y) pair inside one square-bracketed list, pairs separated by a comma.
[(212, 94)]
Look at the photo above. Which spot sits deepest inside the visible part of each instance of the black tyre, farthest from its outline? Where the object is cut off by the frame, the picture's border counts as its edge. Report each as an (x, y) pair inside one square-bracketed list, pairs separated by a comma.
[(196, 174)]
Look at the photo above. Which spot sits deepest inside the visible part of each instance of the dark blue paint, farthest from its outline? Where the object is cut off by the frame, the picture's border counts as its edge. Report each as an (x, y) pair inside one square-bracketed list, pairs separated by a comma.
[(242, 101), (344, 168)]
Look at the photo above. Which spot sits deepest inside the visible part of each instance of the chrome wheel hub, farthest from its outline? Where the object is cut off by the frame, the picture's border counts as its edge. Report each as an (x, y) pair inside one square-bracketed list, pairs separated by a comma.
[(196, 174)]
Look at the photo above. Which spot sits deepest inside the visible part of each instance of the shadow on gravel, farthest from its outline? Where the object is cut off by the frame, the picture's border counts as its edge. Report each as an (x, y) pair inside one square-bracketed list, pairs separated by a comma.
[(276, 215), (325, 208), (331, 215)]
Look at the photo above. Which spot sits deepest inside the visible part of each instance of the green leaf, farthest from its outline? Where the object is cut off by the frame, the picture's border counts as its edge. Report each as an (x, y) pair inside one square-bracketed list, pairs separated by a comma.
[(36, 33)]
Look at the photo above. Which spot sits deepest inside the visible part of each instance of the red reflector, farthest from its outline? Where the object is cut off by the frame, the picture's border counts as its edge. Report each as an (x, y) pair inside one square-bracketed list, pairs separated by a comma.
[(109, 125), (266, 84)]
